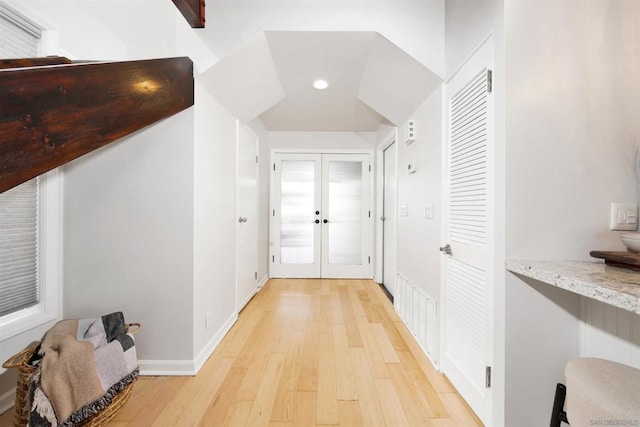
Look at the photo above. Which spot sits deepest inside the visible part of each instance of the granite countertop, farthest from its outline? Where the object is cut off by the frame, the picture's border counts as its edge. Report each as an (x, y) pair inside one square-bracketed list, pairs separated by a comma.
[(619, 287)]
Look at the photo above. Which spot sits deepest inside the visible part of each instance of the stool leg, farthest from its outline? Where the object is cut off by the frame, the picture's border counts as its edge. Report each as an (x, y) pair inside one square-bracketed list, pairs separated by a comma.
[(558, 415)]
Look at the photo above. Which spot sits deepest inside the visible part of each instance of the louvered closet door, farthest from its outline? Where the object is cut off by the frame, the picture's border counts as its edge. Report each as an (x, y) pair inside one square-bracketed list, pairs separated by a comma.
[(467, 269)]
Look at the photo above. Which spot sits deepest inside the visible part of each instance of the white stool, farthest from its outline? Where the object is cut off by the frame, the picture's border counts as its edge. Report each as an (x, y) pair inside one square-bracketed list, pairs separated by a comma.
[(598, 393)]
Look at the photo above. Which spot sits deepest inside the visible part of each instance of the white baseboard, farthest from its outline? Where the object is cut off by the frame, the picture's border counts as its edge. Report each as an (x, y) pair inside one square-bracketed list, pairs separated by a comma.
[(208, 349), (167, 367), (263, 281), (7, 400), (186, 367)]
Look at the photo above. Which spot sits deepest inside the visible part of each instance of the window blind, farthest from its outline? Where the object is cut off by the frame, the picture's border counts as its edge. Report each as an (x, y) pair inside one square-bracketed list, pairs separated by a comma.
[(19, 211), (18, 37), (19, 247)]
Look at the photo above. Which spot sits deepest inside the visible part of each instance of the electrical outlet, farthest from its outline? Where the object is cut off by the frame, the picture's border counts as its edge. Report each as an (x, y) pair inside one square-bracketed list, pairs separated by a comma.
[(624, 216)]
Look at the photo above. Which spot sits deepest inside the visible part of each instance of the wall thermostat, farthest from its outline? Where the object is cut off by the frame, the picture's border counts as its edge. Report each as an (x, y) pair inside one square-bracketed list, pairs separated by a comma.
[(411, 131)]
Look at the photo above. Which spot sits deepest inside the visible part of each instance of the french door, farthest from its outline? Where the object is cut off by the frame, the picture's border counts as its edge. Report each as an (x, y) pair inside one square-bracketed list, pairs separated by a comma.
[(320, 216)]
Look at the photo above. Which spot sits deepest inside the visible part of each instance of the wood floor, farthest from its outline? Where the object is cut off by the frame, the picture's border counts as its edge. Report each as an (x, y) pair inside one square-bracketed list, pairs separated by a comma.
[(306, 353)]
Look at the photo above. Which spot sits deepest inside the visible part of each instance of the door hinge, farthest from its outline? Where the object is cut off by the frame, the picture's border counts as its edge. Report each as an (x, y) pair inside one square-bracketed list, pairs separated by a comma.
[(274, 166), (255, 275), (369, 168), (369, 214), (489, 81), (487, 377), (274, 212), (256, 159), (369, 260), (273, 258)]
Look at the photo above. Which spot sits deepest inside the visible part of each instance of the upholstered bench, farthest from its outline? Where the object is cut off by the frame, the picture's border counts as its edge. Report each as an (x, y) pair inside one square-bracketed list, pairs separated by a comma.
[(598, 393)]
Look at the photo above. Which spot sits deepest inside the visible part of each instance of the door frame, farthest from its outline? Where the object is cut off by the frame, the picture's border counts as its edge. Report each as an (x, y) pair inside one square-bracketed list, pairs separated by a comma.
[(240, 125), (387, 141), (494, 244), (272, 192)]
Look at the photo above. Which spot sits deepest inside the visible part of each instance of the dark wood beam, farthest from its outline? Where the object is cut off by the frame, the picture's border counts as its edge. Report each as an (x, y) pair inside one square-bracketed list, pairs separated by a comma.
[(54, 114), (33, 62), (193, 11)]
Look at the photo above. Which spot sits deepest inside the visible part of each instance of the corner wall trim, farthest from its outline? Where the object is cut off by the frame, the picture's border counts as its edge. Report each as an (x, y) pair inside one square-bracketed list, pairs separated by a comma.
[(186, 367)]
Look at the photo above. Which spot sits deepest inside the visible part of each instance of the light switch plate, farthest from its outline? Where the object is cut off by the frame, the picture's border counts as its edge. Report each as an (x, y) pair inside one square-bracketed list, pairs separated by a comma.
[(428, 211), (624, 216)]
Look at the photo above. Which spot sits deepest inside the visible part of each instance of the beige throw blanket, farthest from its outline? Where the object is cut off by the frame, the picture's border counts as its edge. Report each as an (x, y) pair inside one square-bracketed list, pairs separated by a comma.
[(84, 364)]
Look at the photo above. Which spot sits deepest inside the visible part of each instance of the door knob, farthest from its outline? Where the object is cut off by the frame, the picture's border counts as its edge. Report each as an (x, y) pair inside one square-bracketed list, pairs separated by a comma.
[(446, 249), (242, 219), (325, 221), (317, 221), (317, 212)]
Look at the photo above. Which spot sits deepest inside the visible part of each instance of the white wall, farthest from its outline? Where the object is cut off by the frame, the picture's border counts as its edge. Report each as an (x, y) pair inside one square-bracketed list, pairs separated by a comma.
[(419, 238), (128, 242), (214, 223), (573, 101), (322, 140), (111, 30)]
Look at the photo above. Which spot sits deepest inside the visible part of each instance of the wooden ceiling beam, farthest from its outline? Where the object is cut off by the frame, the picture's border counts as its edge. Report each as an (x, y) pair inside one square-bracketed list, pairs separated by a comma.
[(193, 11), (33, 62), (54, 114)]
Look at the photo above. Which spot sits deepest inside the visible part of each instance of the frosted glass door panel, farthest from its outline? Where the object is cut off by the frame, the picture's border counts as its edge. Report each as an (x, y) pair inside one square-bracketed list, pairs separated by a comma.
[(346, 194), (297, 212), (320, 217), (345, 211)]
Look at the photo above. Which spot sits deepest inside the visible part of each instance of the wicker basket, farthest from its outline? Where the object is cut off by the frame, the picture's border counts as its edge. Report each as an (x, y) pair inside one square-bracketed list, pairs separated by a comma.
[(25, 370)]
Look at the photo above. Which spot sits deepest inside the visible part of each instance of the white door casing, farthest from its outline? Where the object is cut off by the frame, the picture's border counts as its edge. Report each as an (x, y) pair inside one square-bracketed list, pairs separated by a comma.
[(246, 214), (468, 268), (320, 216), (389, 226)]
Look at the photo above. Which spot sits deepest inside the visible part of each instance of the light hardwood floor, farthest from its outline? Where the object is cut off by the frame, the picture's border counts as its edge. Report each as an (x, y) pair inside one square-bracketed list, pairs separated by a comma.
[(306, 353)]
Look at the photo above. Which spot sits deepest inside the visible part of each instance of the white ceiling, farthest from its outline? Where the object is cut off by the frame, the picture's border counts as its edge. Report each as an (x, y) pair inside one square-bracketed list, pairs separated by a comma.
[(337, 57), (371, 81)]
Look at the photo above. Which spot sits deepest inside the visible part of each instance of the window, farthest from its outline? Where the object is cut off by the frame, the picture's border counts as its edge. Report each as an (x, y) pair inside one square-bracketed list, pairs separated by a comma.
[(19, 37), (29, 216), (19, 244)]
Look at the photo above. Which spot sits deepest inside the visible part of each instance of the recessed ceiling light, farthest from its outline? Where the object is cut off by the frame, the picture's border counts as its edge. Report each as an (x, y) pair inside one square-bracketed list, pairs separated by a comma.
[(320, 84)]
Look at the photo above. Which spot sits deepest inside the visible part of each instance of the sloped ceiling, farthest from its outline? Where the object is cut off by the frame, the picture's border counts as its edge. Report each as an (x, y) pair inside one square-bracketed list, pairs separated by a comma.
[(371, 81), (340, 59), (246, 82)]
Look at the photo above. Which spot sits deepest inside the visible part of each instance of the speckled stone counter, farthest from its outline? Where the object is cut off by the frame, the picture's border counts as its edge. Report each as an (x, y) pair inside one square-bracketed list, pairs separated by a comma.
[(615, 286)]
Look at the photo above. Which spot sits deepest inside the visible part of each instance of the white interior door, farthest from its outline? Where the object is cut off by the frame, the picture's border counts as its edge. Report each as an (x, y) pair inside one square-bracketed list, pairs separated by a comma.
[(389, 218), (247, 214), (467, 264), (320, 216)]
